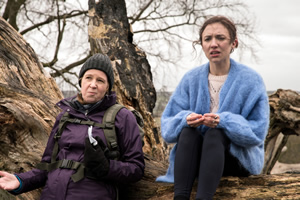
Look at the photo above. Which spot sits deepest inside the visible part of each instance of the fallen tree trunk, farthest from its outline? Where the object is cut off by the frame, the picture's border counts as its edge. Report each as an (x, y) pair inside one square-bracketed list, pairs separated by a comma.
[(284, 121), (279, 186), (274, 186)]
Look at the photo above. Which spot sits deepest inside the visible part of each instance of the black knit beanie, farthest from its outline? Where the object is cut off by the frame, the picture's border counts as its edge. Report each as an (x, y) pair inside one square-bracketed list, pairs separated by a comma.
[(100, 62)]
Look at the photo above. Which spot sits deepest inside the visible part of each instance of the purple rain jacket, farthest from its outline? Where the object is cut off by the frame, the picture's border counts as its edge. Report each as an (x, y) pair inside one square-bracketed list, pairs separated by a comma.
[(58, 185)]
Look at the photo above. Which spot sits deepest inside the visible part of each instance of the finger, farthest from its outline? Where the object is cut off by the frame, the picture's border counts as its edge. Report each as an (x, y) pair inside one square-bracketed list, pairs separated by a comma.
[(87, 141), (89, 148), (100, 142), (4, 174), (193, 116), (212, 115), (196, 122)]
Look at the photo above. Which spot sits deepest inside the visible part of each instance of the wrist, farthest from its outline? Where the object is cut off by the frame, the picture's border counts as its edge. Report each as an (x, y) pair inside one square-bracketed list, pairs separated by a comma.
[(17, 190)]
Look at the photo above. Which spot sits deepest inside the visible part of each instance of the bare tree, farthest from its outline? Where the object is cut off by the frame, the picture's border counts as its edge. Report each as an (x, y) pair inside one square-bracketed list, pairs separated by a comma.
[(57, 30), (166, 30)]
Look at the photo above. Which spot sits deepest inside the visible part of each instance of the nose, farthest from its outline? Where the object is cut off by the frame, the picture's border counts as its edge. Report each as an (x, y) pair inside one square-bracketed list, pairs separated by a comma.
[(214, 42), (93, 84)]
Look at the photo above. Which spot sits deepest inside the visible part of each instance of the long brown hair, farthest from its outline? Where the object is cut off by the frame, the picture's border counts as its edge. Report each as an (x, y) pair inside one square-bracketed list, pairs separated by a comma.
[(229, 25)]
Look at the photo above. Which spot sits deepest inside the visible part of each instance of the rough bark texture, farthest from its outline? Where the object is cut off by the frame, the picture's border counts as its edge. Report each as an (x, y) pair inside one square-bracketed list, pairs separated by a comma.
[(27, 105), (109, 33), (284, 121), (27, 110)]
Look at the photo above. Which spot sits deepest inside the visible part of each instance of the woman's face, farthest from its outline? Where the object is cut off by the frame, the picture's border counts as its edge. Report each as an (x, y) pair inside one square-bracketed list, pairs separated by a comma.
[(94, 85), (216, 43)]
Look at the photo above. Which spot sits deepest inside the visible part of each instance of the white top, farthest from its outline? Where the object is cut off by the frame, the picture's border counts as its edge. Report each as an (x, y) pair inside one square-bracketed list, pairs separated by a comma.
[(215, 84)]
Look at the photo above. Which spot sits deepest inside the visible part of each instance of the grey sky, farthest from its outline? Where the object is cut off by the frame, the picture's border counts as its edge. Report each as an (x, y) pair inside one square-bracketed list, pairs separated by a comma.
[(278, 29)]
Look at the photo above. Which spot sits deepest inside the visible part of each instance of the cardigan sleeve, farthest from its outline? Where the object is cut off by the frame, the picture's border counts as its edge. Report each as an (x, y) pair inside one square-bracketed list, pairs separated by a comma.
[(173, 119), (248, 130)]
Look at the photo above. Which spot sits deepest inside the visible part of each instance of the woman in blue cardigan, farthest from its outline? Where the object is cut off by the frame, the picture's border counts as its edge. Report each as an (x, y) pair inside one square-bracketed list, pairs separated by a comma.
[(218, 116)]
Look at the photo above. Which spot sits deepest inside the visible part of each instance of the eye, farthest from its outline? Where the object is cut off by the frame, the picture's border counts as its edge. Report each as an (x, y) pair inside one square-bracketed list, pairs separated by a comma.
[(220, 37), (100, 80), (206, 39)]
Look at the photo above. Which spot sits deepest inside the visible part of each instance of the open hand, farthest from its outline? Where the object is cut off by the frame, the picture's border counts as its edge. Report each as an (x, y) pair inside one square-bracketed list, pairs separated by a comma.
[(8, 181)]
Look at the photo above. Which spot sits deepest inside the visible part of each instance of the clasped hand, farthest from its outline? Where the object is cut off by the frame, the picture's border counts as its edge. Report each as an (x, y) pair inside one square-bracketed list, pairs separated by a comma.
[(208, 119)]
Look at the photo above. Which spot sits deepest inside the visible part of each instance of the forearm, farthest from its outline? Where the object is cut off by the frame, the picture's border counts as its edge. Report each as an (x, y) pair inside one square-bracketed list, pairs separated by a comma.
[(32, 180), (243, 132), (125, 172)]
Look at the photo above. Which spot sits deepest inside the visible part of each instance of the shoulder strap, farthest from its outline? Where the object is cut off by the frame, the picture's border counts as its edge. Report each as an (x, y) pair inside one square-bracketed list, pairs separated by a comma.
[(61, 126), (109, 121), (62, 123)]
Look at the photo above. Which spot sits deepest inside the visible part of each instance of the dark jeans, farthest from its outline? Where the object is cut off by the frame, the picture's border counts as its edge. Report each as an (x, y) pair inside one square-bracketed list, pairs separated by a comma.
[(207, 158)]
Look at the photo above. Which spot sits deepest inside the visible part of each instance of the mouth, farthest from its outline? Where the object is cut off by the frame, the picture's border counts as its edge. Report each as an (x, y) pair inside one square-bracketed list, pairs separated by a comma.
[(92, 93), (214, 53)]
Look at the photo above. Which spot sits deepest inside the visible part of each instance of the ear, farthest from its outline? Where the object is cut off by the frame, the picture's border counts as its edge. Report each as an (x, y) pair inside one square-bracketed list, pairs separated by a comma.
[(235, 43)]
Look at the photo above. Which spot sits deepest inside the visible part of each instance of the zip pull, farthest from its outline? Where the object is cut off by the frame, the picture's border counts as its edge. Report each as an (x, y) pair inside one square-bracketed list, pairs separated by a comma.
[(93, 141)]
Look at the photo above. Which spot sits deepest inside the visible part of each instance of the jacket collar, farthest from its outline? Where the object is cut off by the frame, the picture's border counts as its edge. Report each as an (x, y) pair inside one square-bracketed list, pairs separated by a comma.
[(73, 103)]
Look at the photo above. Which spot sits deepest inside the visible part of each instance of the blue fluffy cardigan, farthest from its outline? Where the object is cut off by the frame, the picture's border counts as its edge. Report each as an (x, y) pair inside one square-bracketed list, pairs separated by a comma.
[(243, 111)]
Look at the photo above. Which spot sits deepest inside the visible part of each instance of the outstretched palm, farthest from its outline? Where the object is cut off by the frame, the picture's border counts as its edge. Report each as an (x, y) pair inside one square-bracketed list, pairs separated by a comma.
[(8, 181)]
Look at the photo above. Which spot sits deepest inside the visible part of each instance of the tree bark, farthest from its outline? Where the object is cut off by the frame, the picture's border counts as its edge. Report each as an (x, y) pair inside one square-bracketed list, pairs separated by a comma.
[(27, 105), (275, 186), (27, 111), (109, 33), (284, 121)]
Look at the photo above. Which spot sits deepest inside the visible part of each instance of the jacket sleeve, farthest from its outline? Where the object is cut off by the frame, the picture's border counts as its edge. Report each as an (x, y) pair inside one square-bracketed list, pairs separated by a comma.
[(37, 178), (249, 128), (130, 167)]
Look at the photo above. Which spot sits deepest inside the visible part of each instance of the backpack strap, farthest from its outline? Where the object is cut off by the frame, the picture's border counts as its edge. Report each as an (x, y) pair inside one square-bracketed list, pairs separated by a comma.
[(64, 164), (108, 126), (61, 126), (109, 123)]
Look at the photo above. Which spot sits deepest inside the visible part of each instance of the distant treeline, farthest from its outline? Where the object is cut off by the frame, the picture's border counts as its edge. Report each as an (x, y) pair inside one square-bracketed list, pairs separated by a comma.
[(162, 99)]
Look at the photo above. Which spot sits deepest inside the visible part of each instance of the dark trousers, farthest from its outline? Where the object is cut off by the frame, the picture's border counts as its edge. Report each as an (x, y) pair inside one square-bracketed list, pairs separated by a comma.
[(206, 157)]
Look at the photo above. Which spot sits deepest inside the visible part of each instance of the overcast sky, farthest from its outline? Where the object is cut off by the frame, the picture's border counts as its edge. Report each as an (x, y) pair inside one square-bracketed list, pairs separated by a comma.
[(278, 29)]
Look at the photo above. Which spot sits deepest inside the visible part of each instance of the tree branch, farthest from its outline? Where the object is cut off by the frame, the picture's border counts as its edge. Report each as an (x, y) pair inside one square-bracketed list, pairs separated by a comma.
[(58, 73), (134, 19), (53, 18), (59, 38)]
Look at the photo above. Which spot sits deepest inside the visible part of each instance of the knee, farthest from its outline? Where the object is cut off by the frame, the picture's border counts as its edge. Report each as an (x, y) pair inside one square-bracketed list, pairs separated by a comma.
[(189, 135), (215, 137), (214, 132)]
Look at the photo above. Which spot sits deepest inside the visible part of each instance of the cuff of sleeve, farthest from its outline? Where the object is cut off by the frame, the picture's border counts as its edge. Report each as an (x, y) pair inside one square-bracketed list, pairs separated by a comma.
[(16, 191), (221, 120)]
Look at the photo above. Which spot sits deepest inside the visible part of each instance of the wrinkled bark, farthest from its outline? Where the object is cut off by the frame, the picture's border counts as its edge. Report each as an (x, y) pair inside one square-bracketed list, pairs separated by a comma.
[(27, 110), (284, 121), (109, 33), (280, 186), (27, 105)]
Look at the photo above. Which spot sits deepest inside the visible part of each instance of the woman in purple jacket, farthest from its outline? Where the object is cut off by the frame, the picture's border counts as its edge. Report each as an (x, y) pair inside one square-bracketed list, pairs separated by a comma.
[(101, 175)]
